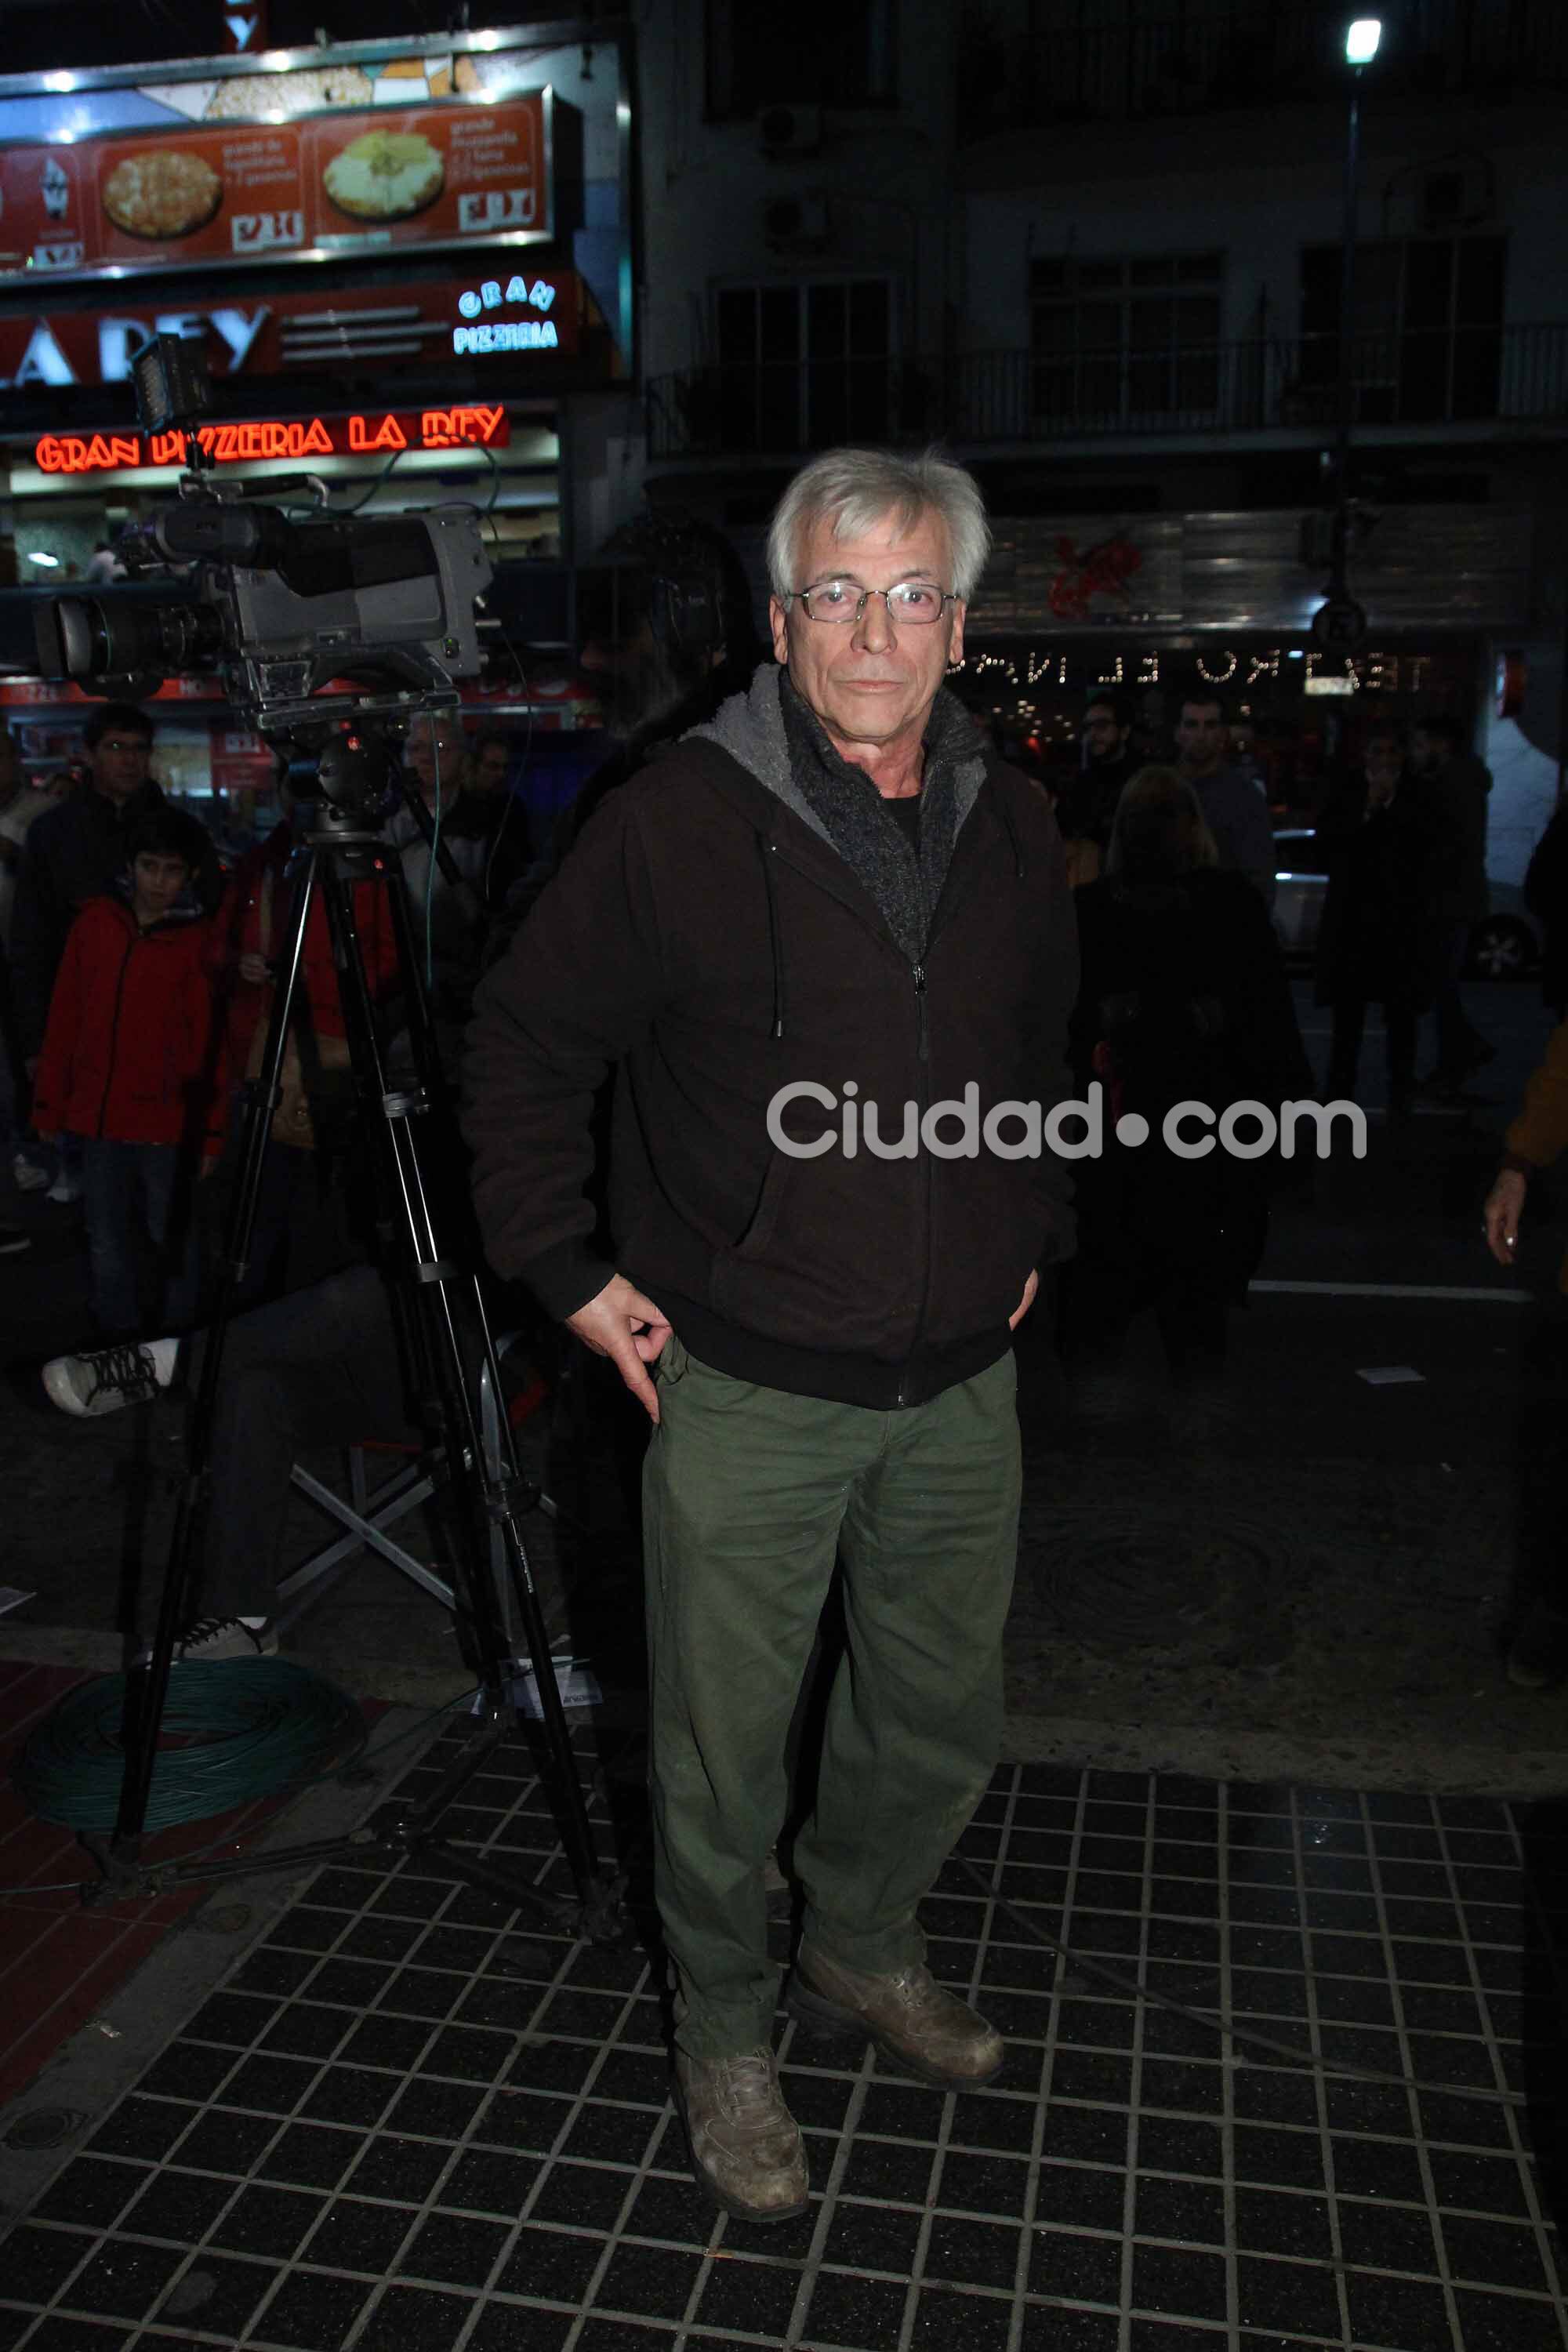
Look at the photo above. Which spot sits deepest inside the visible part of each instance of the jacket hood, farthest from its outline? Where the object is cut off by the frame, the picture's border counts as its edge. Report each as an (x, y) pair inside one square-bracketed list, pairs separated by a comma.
[(750, 727)]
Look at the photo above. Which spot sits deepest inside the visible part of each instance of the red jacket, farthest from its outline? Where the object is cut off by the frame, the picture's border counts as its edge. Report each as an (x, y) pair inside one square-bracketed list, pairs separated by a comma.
[(131, 1046), (254, 920)]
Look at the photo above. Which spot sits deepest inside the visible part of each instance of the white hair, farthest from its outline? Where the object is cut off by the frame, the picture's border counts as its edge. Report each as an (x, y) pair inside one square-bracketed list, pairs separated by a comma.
[(855, 489)]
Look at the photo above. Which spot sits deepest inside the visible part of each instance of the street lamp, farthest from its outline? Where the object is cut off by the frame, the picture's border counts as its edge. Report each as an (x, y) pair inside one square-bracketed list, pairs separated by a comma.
[(1339, 623)]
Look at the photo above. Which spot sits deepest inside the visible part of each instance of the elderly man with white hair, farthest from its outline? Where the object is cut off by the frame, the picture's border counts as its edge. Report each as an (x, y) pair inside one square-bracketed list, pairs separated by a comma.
[(810, 936)]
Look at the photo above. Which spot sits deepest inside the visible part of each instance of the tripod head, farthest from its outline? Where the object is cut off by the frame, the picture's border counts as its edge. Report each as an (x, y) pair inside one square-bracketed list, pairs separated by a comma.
[(346, 764)]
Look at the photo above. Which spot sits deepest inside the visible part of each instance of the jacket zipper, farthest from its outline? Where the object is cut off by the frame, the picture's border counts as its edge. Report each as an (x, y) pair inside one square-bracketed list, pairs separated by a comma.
[(922, 1065), (922, 1061), (114, 1035)]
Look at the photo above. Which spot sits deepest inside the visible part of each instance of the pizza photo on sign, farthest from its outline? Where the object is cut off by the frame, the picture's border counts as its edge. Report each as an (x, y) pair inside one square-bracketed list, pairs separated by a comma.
[(385, 175), (161, 194)]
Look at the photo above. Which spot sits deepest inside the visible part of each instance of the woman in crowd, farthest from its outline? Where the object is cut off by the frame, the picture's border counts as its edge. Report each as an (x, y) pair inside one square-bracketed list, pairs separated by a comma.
[(1184, 998), (1378, 942)]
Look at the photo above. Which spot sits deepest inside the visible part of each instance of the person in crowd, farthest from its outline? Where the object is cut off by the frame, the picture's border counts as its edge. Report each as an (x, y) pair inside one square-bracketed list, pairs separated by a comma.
[(668, 635), (1537, 1655), (129, 1065), (1242, 749), (821, 1338), (320, 1366), (75, 852), (489, 762), (1234, 810), (1087, 807), (1377, 942), (298, 1209), (449, 914), (19, 805), (1183, 998), (1546, 896), (1460, 896)]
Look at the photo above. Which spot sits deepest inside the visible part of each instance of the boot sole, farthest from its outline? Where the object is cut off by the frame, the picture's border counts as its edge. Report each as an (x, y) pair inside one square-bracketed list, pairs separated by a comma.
[(829, 2019), (732, 2205)]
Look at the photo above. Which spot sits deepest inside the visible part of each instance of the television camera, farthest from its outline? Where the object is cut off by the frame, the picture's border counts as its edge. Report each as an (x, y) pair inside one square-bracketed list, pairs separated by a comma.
[(310, 624)]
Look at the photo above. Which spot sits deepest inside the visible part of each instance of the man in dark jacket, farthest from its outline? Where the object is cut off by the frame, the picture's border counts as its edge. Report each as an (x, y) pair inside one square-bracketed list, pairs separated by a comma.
[(1378, 834), (1233, 808), (816, 919), (1088, 808), (1461, 898), (77, 852)]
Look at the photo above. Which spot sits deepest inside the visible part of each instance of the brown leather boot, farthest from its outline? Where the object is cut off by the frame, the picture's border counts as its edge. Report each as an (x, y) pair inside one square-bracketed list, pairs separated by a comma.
[(747, 2146), (907, 2015)]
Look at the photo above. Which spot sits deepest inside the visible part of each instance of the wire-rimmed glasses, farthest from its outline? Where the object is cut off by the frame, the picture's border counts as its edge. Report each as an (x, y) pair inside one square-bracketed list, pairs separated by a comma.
[(911, 603)]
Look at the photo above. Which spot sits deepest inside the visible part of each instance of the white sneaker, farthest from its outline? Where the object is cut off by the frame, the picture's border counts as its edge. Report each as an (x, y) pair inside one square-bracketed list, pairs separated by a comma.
[(65, 1189), (212, 1639), (26, 1175), (102, 1379)]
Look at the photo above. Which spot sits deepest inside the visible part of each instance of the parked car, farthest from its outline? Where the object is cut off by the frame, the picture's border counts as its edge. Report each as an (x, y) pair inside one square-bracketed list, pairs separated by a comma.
[(1505, 945), (1300, 883)]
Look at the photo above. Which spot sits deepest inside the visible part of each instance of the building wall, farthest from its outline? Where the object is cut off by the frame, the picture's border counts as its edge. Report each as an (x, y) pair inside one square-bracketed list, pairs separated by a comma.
[(882, 173), (1258, 189)]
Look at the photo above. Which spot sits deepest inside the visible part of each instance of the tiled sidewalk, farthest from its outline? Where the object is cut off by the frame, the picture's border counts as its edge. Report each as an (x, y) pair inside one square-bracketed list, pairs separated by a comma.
[(409, 2123)]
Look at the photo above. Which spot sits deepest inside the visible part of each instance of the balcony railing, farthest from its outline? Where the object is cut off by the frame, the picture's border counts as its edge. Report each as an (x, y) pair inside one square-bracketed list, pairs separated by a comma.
[(1470, 376), (1017, 69)]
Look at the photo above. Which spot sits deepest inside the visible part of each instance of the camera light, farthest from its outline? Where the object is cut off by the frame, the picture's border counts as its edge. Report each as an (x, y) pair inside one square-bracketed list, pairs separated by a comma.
[(37, 555), (1362, 39)]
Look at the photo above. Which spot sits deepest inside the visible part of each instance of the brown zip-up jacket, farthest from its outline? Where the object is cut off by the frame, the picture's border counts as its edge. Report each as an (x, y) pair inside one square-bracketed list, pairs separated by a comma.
[(706, 937)]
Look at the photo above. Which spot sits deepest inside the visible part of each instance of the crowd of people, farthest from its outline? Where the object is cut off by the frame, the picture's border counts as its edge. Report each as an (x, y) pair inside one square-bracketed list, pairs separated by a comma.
[(804, 879), (135, 983), (1402, 837)]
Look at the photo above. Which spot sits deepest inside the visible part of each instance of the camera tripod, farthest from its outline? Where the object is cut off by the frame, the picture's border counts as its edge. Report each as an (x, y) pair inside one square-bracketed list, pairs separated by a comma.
[(439, 1313)]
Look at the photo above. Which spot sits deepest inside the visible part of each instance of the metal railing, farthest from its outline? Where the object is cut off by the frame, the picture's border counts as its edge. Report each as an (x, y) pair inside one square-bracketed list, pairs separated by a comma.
[(1247, 53), (1477, 375)]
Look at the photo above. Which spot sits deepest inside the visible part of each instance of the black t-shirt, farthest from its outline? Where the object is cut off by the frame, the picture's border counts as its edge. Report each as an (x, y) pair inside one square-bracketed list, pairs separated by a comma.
[(907, 813)]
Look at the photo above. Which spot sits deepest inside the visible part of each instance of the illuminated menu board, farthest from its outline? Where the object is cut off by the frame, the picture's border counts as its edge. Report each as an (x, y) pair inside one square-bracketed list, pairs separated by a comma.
[(164, 199), (463, 144)]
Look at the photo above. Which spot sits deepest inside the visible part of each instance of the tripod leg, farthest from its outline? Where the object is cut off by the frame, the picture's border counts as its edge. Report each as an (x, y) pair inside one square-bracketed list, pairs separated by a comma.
[(147, 1684), (482, 1502)]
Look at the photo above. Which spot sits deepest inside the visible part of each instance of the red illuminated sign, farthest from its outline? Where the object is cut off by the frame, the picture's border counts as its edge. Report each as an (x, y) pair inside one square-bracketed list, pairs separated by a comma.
[(465, 426)]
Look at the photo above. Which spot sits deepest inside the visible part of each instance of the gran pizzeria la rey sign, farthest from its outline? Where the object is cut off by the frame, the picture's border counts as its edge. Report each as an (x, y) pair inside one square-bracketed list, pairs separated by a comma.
[(468, 425)]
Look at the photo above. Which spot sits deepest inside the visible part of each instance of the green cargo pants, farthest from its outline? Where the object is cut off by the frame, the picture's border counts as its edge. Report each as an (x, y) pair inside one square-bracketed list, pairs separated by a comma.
[(748, 1494)]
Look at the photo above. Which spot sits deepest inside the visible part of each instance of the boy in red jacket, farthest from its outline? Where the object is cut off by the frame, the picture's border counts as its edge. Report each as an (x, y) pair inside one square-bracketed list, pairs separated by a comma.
[(129, 1064)]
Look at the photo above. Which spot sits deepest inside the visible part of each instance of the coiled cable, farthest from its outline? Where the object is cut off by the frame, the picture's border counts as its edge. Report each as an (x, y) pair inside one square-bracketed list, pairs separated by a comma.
[(233, 1731)]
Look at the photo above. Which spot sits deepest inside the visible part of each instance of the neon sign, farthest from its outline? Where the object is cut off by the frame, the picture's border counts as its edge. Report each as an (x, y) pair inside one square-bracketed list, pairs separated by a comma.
[(468, 425), (505, 334)]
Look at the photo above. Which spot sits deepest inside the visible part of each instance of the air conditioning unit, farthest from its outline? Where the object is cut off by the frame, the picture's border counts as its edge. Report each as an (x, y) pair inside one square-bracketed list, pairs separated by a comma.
[(795, 224), (1458, 193), (785, 132)]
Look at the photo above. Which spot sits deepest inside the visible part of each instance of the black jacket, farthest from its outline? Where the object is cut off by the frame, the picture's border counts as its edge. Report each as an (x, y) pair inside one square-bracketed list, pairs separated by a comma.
[(1087, 809), (704, 934), (73, 853), (1184, 998), (1379, 935)]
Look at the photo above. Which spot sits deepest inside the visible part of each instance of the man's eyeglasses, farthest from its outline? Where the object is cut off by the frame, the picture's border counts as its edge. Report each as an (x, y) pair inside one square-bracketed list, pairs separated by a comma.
[(126, 743), (911, 603)]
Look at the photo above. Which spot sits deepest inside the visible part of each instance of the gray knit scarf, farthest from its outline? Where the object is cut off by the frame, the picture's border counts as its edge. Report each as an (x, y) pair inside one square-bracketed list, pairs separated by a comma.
[(867, 835)]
